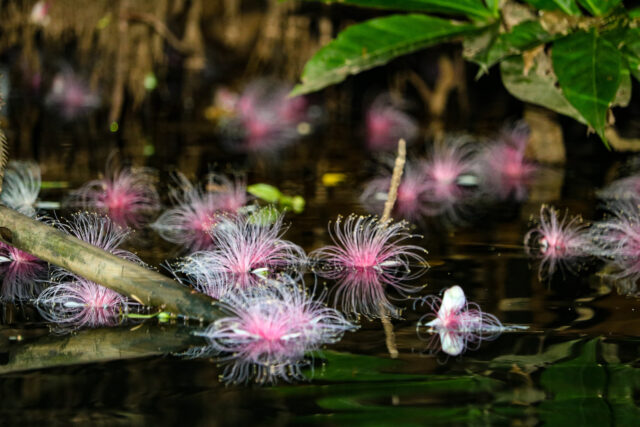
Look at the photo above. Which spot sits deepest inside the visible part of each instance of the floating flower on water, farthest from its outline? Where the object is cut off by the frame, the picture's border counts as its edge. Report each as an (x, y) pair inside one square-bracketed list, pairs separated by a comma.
[(442, 172), (269, 330), (128, 195), (367, 256), (197, 209), (503, 166), (386, 124), (21, 187), (560, 242), (622, 189), (80, 302), (70, 96), (72, 301), (617, 240), (263, 118), (98, 231), (244, 254), (411, 201), (21, 274), (455, 325)]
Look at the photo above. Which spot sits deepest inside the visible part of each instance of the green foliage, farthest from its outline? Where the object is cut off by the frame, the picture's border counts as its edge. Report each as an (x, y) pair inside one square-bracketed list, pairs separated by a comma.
[(469, 8), (567, 6), (271, 194), (576, 59), (588, 69), (372, 43)]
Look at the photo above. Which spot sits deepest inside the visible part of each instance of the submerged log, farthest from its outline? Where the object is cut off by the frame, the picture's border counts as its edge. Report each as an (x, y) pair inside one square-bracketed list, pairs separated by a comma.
[(141, 284), (98, 345)]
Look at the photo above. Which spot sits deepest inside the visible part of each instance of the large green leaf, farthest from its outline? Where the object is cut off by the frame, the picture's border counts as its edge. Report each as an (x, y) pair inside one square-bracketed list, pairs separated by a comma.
[(588, 68), (523, 36), (372, 43), (631, 51), (567, 6), (599, 7), (537, 86), (470, 8)]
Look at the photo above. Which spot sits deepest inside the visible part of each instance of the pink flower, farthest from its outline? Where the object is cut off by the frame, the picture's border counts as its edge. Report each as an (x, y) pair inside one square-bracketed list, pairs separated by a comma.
[(22, 273), (128, 196), (70, 96), (411, 201), (504, 167), (197, 210), (244, 254), (98, 231), (21, 187), (264, 117), (73, 301), (268, 332), (460, 325), (617, 240), (367, 257), (386, 124), (81, 303), (558, 242), (441, 172)]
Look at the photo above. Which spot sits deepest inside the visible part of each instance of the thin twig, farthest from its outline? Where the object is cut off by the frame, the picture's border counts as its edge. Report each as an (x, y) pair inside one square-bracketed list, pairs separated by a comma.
[(396, 179)]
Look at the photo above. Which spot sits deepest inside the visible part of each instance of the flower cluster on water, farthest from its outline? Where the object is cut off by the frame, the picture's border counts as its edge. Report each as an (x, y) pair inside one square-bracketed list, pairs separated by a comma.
[(237, 254), (455, 175)]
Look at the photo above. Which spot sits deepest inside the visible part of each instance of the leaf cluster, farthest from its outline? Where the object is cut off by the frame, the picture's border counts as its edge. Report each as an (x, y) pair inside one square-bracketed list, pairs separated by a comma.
[(575, 57)]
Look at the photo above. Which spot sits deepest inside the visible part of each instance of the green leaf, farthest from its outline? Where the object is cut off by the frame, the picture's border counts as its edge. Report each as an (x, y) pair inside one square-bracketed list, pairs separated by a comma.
[(599, 7), (523, 36), (538, 86), (372, 43), (623, 96), (470, 8), (631, 51), (634, 13), (588, 70), (567, 6), (494, 6), (266, 192)]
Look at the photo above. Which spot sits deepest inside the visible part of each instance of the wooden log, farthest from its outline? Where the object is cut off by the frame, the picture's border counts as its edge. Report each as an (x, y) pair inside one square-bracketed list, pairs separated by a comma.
[(141, 284)]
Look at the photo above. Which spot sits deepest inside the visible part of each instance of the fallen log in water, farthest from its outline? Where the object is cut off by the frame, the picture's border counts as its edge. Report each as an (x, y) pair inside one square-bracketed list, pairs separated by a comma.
[(97, 345), (143, 285)]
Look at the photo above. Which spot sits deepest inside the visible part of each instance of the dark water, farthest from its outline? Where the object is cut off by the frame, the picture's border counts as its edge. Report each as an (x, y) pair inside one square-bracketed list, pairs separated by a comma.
[(576, 364)]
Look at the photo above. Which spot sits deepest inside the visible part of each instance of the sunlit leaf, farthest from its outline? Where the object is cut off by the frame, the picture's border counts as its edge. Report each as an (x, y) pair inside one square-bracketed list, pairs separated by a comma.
[(266, 192), (599, 7), (567, 6), (372, 43), (470, 8), (588, 70)]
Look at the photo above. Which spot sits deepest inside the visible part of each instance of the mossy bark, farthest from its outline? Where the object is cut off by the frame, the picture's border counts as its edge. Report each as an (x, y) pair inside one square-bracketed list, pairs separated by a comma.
[(141, 284)]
